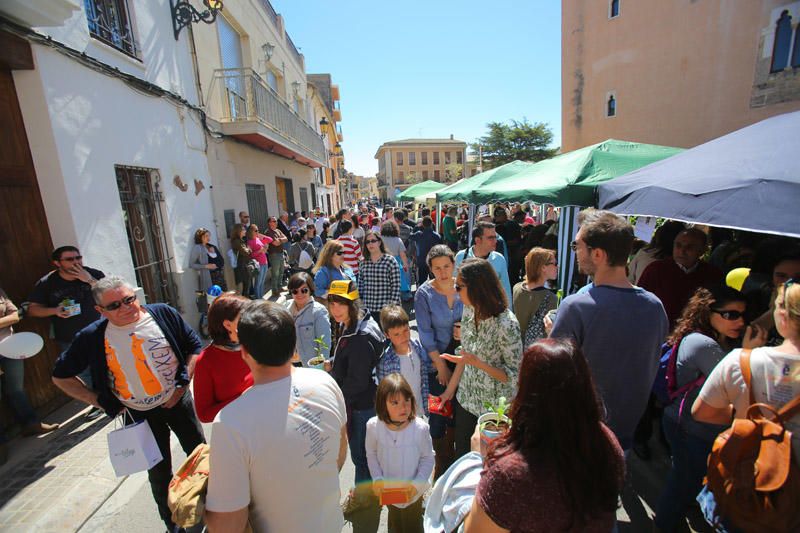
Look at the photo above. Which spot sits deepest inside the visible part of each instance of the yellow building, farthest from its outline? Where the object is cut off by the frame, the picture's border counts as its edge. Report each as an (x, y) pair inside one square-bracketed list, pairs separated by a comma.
[(675, 73), (324, 101), (406, 162)]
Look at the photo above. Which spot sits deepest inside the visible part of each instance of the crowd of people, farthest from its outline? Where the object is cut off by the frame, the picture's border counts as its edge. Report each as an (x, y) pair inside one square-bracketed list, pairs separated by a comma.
[(291, 387)]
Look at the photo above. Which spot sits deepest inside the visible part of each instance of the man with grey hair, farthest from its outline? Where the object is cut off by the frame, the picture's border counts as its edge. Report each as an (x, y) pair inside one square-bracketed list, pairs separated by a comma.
[(141, 358)]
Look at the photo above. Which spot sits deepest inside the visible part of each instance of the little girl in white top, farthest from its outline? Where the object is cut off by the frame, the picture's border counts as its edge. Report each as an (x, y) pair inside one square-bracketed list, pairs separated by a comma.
[(399, 453)]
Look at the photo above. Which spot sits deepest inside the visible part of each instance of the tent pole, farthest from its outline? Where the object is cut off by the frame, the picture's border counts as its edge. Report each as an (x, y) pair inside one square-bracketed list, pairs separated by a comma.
[(438, 217), (567, 229), (471, 222)]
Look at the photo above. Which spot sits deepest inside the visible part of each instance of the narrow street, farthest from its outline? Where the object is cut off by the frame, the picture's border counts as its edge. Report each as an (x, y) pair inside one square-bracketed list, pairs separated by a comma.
[(65, 482)]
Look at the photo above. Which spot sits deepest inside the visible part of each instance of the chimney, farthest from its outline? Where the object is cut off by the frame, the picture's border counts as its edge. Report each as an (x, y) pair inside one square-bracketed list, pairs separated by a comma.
[(451, 136)]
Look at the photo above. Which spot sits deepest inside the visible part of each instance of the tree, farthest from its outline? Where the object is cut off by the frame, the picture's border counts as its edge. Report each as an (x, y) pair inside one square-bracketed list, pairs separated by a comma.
[(522, 141)]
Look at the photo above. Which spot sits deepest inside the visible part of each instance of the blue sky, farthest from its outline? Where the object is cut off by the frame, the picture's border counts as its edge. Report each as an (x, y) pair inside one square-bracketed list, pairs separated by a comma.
[(431, 69)]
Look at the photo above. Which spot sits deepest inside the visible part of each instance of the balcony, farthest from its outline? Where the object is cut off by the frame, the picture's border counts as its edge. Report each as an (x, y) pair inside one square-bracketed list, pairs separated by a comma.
[(248, 109)]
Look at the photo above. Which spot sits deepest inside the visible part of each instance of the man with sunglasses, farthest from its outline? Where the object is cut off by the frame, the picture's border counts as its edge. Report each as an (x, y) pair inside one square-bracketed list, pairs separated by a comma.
[(484, 240), (65, 296), (141, 359)]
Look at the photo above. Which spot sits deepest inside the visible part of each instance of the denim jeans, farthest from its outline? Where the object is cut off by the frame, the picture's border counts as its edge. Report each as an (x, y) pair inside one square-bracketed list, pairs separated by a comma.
[(184, 423), (259, 290), (13, 379), (438, 423), (276, 271), (685, 478), (357, 434), (86, 374)]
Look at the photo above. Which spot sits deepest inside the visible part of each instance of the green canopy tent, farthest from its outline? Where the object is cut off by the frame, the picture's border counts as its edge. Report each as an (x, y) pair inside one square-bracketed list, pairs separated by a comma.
[(420, 189), (569, 181), (571, 178), (460, 190)]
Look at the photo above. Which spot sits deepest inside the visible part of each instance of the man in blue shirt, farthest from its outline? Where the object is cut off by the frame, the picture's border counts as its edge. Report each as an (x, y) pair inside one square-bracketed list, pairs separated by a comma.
[(619, 327), (484, 238)]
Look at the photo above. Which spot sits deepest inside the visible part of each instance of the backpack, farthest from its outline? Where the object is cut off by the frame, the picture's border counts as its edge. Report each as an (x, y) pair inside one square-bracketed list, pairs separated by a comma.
[(751, 472), (665, 387), (306, 260)]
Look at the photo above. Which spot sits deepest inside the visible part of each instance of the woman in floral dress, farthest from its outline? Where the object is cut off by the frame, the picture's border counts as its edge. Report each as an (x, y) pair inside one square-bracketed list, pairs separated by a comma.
[(488, 365)]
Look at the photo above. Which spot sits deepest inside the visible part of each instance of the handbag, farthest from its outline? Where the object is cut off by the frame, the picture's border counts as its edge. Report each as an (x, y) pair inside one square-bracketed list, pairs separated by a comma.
[(535, 329), (232, 259), (132, 448)]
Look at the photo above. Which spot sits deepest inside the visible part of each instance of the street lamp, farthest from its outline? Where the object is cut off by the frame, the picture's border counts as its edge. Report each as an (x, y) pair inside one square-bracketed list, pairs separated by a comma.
[(183, 14), (268, 49)]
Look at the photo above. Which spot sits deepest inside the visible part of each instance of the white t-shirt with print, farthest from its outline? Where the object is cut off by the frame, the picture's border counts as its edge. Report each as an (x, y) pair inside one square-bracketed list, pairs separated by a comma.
[(275, 448), (141, 363), (775, 378)]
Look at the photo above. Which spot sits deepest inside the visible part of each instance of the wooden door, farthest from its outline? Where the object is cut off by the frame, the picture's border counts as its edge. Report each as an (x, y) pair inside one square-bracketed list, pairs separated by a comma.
[(25, 243)]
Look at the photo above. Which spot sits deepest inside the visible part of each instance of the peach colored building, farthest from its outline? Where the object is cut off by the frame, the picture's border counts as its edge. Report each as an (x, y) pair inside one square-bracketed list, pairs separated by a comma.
[(406, 162), (675, 73)]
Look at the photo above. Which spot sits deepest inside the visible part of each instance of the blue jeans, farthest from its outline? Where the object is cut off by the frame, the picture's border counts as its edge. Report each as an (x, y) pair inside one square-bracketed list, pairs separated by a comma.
[(276, 268), (13, 378), (357, 435), (685, 478), (262, 276), (86, 374)]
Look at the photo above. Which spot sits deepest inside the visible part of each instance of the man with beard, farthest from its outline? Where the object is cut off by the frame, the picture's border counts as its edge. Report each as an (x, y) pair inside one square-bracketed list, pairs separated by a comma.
[(619, 327)]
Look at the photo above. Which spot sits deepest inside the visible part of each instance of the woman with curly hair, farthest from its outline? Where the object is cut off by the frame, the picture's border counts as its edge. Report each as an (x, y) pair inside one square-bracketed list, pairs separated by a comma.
[(559, 467), (709, 327)]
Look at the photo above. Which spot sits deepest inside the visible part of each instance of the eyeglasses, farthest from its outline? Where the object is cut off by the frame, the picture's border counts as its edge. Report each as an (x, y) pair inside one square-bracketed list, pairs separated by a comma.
[(551, 263), (302, 290), (574, 246), (113, 306), (371, 241), (729, 315), (340, 252), (73, 258)]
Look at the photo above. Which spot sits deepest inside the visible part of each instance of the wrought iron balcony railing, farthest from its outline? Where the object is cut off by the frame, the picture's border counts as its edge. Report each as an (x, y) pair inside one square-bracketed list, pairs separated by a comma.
[(240, 95)]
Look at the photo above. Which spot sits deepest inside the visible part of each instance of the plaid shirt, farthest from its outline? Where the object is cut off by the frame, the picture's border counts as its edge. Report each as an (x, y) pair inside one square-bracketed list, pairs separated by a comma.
[(389, 363), (379, 282)]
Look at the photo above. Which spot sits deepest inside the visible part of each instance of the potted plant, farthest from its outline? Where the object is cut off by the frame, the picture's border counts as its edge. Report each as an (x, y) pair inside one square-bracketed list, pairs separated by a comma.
[(493, 423), (318, 361)]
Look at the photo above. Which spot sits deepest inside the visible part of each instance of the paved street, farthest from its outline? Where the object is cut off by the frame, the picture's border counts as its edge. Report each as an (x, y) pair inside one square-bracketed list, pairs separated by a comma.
[(65, 482)]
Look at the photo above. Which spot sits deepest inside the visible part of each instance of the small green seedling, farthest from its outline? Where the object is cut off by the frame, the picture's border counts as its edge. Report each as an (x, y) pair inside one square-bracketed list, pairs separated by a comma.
[(499, 410), (320, 346)]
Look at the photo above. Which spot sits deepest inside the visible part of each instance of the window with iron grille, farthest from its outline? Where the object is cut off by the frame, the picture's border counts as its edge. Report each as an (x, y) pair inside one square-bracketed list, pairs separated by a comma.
[(257, 204), (110, 22), (435, 158), (459, 157), (399, 159), (447, 158), (412, 158), (424, 157)]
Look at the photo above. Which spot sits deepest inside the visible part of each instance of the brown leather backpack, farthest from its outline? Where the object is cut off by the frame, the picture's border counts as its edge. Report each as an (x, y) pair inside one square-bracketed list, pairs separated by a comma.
[(751, 471)]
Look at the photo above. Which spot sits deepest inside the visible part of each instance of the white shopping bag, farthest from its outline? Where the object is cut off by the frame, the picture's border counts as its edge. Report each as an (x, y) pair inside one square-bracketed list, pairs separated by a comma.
[(132, 448)]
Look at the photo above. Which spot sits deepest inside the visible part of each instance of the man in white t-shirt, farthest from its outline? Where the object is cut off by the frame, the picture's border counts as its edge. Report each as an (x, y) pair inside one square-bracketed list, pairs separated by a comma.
[(276, 451)]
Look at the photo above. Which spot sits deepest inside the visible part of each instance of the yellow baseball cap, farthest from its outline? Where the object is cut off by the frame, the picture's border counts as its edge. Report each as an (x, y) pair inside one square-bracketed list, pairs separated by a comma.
[(341, 288)]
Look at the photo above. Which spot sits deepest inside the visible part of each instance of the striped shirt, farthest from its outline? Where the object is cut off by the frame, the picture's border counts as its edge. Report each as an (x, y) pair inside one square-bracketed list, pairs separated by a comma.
[(352, 252)]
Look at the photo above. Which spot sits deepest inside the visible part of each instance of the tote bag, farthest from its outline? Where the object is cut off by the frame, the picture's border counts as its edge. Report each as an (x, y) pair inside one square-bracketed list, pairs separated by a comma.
[(132, 448)]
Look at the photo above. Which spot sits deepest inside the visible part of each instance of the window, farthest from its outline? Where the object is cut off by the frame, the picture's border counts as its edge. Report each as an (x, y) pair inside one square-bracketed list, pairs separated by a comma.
[(613, 9), (272, 80), (424, 173), (412, 158), (435, 158), (110, 22), (783, 41), (424, 157), (447, 158), (459, 157), (399, 159), (436, 174), (611, 106), (257, 204), (796, 51), (401, 176)]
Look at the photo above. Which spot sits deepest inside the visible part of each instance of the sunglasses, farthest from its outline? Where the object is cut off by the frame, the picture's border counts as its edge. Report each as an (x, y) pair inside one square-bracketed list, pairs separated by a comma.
[(113, 306), (73, 258), (303, 290), (459, 287), (371, 241), (340, 252), (729, 315)]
